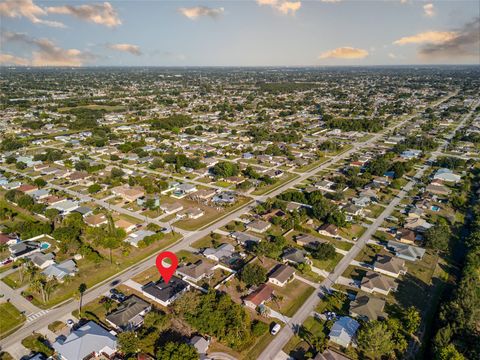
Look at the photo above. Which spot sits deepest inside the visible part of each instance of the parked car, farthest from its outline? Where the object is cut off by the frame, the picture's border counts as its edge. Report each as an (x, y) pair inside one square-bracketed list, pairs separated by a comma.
[(275, 329)]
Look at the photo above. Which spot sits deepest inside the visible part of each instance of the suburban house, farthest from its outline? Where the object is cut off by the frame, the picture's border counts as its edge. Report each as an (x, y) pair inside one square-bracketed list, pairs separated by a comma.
[(282, 275), (129, 315), (224, 251), (165, 294), (88, 340), (196, 271), (406, 236), (389, 265), (417, 224), (374, 282), (343, 331), (258, 296), (96, 220), (244, 238), (224, 198), (406, 252), (125, 225), (65, 206), (328, 230), (137, 236), (438, 189), (295, 256), (23, 248), (204, 194), (171, 208), (42, 260), (128, 193), (309, 241), (60, 271), (258, 226), (191, 213), (446, 175), (183, 190), (367, 308)]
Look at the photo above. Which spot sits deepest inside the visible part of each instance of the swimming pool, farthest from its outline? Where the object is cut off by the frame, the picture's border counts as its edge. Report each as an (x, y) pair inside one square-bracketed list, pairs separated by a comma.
[(435, 208), (44, 245)]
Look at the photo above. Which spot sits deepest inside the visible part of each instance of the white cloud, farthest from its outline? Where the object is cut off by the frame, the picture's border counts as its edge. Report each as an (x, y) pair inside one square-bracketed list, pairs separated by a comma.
[(46, 53), (345, 52), (429, 10), (8, 59), (27, 9), (285, 7), (102, 14), (432, 37), (130, 48), (199, 11)]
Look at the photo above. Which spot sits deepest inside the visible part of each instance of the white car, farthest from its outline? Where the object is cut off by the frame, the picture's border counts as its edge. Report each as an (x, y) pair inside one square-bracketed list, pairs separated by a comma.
[(275, 329)]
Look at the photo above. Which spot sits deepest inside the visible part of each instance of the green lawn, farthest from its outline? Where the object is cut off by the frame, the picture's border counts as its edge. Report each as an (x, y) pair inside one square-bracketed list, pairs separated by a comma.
[(292, 297), (10, 318), (37, 343), (269, 188), (312, 165), (328, 265)]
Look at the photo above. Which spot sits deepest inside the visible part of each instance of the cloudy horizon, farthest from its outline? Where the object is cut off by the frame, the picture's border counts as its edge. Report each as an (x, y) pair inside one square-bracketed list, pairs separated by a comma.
[(239, 33)]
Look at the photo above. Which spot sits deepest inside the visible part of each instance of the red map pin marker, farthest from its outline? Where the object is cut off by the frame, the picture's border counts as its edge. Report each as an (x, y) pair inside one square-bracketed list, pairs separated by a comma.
[(165, 270)]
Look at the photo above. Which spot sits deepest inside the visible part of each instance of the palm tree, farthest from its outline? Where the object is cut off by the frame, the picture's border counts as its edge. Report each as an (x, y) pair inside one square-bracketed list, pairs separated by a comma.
[(81, 289), (49, 286), (38, 286), (30, 270), (107, 304), (21, 271)]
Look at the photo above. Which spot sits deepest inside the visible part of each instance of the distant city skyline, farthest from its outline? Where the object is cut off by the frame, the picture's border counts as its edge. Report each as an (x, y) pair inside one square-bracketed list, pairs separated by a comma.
[(239, 33)]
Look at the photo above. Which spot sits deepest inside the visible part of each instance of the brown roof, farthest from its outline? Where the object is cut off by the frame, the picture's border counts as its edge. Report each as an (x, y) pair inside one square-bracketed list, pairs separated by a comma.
[(196, 270), (373, 280), (95, 219), (52, 199), (407, 234), (261, 294), (78, 175), (368, 306), (330, 228), (389, 263), (26, 188)]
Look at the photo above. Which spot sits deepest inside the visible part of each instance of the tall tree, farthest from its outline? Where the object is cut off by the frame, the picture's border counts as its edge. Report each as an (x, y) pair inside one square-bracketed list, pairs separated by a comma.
[(81, 290)]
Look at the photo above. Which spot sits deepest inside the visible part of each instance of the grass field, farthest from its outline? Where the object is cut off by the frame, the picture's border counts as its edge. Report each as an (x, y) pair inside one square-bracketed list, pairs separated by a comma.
[(10, 318), (269, 188)]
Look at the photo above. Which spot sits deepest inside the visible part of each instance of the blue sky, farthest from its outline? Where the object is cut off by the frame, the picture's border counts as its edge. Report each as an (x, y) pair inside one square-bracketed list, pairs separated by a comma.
[(240, 33)]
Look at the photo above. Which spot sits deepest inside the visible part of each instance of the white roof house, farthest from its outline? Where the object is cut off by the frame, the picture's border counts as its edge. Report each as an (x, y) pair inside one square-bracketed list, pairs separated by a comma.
[(137, 236), (343, 331), (65, 206), (223, 251), (59, 271), (89, 339), (446, 175)]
